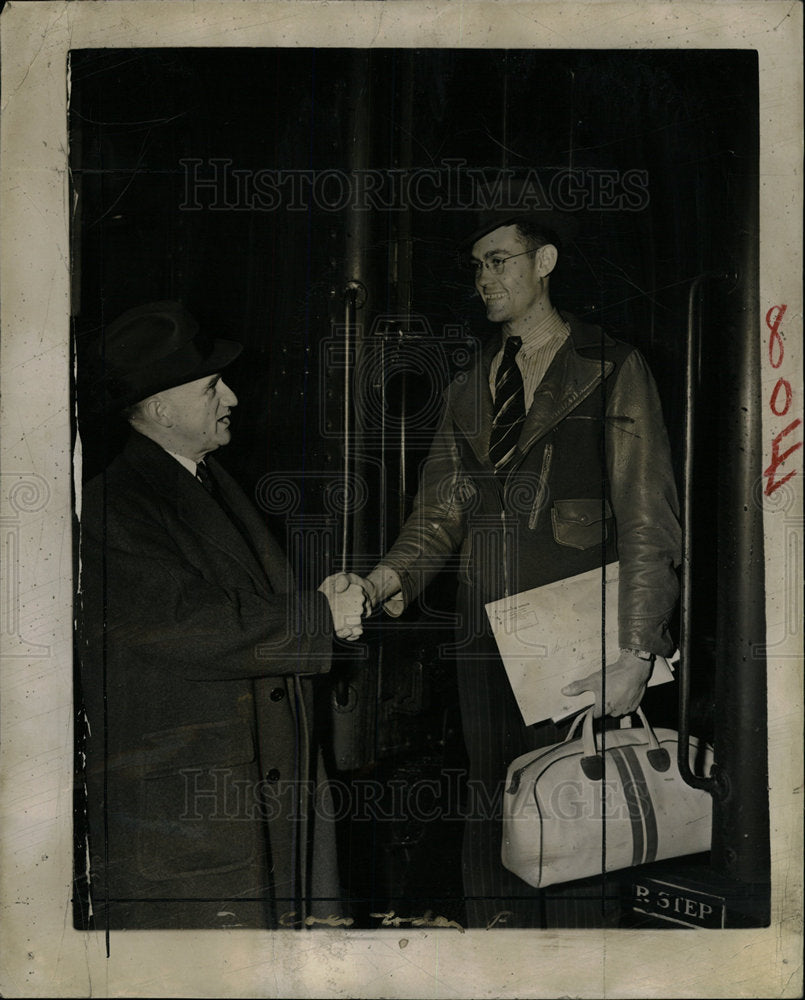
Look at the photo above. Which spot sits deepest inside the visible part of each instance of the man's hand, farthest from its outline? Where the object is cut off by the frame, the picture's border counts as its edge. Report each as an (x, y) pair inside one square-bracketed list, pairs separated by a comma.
[(350, 601), (626, 681)]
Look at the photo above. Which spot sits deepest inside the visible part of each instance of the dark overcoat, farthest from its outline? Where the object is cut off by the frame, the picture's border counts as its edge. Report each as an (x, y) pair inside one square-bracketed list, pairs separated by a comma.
[(197, 659)]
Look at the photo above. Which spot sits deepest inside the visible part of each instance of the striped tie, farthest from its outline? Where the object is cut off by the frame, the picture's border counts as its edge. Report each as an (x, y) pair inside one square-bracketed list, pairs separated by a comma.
[(509, 406)]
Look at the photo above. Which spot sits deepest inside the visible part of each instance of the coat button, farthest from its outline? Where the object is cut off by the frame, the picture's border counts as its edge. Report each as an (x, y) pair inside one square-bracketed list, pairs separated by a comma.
[(273, 775), (583, 519), (277, 694)]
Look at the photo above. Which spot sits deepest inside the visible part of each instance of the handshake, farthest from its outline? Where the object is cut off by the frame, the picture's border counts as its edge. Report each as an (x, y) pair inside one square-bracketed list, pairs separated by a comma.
[(353, 598)]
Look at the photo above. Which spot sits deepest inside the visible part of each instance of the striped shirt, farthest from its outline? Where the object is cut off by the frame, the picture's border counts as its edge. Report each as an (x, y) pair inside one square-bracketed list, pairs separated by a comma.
[(538, 350)]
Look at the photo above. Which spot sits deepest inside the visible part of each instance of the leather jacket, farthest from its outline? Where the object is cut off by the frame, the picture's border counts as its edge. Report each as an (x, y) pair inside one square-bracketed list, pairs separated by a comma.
[(591, 482)]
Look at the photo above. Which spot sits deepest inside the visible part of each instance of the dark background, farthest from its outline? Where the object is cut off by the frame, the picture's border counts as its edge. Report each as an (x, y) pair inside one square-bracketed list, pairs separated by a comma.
[(275, 280)]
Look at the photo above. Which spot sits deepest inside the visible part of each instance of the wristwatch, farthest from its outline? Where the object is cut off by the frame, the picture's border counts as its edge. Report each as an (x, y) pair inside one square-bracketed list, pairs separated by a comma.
[(642, 654)]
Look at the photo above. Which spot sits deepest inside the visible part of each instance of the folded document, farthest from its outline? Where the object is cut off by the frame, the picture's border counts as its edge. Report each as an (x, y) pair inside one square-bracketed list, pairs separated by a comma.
[(551, 635)]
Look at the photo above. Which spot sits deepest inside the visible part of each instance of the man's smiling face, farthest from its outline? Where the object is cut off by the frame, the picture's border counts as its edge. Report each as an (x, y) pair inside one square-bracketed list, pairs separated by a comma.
[(519, 291)]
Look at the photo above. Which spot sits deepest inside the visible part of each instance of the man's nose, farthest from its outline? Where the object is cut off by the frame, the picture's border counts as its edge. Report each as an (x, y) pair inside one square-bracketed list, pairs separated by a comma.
[(228, 398), (484, 273)]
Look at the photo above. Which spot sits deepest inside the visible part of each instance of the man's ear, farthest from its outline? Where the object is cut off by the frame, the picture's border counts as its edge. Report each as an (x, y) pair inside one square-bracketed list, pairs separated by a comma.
[(546, 258), (158, 411)]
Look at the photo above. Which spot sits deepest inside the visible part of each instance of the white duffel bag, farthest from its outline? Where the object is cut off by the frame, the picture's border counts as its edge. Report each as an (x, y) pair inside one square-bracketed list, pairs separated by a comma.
[(572, 810)]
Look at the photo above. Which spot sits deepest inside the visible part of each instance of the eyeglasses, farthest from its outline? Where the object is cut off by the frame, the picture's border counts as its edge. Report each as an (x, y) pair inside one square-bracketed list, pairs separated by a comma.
[(494, 263)]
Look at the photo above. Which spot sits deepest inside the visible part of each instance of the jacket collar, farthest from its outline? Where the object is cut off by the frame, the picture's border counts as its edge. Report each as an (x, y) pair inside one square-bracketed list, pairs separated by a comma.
[(569, 380), (194, 505)]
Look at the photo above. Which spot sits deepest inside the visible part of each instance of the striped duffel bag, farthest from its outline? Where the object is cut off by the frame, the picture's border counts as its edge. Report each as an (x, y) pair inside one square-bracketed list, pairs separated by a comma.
[(576, 809)]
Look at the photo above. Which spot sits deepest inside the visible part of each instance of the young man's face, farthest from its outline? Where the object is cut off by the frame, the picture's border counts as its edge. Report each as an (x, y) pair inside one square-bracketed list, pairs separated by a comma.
[(519, 290), (199, 415)]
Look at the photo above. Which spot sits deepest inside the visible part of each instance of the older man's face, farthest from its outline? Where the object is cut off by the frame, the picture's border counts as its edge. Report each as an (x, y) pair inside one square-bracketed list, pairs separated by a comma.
[(518, 290), (198, 414)]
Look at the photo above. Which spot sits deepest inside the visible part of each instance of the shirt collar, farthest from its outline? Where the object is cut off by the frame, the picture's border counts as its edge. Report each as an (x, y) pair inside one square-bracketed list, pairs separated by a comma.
[(552, 326)]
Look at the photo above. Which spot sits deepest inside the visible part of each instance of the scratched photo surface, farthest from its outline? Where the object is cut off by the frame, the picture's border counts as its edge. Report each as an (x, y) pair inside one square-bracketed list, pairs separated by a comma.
[(314, 206)]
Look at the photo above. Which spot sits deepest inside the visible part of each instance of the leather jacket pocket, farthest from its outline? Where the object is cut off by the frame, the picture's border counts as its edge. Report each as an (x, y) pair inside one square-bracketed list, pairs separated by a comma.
[(581, 524)]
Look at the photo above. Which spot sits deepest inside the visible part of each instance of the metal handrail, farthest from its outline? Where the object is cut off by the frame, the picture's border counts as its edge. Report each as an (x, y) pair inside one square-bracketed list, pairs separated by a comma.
[(716, 784), (350, 306)]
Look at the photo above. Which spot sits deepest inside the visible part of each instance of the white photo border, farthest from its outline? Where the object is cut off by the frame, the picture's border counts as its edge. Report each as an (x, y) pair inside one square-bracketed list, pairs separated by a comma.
[(42, 954)]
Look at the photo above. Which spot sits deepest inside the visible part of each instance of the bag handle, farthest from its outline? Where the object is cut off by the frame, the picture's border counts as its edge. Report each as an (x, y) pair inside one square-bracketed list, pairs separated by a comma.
[(575, 725), (516, 776), (592, 763)]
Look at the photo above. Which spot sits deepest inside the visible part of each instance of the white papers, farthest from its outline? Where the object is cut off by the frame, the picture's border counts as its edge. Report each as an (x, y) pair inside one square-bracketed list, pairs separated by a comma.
[(551, 635)]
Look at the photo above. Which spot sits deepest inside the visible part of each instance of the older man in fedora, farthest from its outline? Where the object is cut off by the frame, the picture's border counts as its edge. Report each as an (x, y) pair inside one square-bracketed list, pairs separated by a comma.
[(570, 419), (206, 796)]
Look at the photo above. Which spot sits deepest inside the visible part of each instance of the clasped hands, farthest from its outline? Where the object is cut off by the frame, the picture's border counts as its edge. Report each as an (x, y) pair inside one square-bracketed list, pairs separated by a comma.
[(351, 598)]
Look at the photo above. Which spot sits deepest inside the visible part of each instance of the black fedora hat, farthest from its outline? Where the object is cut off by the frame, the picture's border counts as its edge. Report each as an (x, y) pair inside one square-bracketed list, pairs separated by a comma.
[(153, 347)]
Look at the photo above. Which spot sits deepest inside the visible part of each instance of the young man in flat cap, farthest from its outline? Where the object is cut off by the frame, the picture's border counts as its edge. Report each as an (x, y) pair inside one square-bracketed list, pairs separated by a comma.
[(571, 420), (205, 788)]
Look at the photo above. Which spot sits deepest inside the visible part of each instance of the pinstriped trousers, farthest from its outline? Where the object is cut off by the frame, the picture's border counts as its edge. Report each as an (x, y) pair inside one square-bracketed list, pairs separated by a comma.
[(494, 736)]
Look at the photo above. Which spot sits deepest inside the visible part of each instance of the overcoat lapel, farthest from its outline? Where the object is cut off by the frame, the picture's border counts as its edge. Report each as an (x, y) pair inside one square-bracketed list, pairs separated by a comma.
[(274, 562), (200, 511)]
